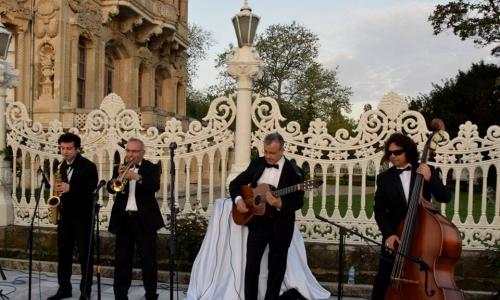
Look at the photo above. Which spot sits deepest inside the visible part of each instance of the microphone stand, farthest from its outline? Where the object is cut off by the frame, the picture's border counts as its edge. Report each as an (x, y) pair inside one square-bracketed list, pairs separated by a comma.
[(173, 232), (2, 296), (30, 232), (343, 232), (95, 222)]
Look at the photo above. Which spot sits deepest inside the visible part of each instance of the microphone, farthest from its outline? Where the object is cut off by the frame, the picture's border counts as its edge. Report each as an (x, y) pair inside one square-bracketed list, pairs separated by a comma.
[(99, 186), (173, 146), (45, 180)]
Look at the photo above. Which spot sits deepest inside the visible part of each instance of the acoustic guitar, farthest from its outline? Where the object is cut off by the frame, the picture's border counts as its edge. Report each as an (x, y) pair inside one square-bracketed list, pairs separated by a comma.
[(255, 198)]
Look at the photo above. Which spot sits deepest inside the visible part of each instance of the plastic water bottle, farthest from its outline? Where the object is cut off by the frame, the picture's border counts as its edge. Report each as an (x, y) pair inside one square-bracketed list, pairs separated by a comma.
[(350, 275)]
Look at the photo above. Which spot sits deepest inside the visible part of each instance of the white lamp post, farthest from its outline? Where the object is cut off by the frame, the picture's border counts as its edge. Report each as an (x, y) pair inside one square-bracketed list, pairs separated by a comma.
[(8, 79), (244, 65)]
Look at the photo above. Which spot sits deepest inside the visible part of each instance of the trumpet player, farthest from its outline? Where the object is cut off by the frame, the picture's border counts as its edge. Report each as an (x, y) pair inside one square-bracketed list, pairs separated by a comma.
[(135, 219), (78, 180)]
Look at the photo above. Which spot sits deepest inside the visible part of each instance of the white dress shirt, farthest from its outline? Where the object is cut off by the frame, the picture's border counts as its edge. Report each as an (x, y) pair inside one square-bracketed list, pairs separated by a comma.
[(131, 202), (405, 177)]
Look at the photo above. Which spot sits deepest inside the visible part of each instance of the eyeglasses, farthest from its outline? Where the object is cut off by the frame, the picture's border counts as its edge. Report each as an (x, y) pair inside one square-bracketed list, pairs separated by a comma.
[(133, 150), (398, 152)]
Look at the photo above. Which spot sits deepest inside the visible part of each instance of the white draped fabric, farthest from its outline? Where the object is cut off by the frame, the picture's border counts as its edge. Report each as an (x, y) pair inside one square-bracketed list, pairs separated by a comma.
[(219, 267)]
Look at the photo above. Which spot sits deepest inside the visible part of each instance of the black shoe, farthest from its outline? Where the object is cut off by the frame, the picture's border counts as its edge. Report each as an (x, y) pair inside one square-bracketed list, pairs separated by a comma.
[(83, 297), (60, 295)]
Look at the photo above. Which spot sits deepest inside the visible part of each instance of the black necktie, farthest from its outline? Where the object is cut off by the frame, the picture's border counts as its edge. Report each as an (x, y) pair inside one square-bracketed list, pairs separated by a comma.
[(408, 168), (272, 166)]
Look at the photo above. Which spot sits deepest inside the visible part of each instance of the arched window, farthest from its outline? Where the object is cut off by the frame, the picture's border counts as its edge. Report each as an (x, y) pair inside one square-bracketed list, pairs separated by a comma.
[(81, 73), (109, 73)]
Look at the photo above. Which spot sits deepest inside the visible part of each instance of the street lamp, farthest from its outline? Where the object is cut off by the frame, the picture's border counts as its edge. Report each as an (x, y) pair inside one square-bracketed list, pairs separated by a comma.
[(245, 24), (244, 65), (5, 38), (8, 79)]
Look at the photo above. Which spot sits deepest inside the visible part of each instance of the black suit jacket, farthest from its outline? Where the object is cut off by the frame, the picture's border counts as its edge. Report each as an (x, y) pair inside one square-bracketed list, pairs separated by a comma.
[(390, 202), (77, 202), (149, 212), (290, 175)]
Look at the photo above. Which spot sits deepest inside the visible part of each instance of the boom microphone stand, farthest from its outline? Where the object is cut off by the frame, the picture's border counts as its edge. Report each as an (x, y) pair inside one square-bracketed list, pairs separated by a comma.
[(173, 231), (45, 182), (343, 231)]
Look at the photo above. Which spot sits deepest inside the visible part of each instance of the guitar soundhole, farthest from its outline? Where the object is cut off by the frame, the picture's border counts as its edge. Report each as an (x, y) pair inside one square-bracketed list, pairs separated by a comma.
[(258, 199)]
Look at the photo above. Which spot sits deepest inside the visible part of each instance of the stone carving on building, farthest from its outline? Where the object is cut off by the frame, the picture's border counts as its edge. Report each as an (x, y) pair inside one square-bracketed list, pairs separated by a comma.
[(144, 33), (88, 17), (15, 8), (46, 57), (129, 24), (47, 20), (145, 56), (108, 13)]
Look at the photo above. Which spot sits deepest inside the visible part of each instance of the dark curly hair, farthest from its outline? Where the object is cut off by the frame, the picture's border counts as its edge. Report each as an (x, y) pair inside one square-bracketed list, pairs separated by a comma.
[(68, 138), (407, 144)]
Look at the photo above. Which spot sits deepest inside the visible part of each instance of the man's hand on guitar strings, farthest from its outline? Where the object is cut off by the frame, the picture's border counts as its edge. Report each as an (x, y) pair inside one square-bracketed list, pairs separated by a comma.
[(273, 201)]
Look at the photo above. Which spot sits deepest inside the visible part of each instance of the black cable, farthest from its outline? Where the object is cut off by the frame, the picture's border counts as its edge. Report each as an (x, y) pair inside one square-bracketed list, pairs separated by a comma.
[(216, 256), (230, 261)]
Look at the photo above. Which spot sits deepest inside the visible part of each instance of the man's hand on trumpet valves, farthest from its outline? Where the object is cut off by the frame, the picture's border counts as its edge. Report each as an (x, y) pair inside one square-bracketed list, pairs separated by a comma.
[(131, 175)]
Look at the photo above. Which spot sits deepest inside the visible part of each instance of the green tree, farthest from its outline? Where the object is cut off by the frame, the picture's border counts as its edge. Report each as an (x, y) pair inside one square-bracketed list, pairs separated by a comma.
[(471, 96), (200, 41), (287, 52), (479, 20), (321, 96), (304, 88)]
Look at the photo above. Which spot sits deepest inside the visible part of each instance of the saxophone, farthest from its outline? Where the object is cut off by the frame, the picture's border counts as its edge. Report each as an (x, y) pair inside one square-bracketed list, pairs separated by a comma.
[(54, 202)]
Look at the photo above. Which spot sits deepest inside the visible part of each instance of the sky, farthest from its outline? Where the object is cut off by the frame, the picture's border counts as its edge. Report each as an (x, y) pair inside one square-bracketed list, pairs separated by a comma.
[(379, 46)]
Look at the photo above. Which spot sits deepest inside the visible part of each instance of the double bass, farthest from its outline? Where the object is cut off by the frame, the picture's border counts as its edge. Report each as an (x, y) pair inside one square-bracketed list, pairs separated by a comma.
[(430, 245)]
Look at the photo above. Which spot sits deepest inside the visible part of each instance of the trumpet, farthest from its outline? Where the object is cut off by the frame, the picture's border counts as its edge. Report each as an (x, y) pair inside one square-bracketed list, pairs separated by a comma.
[(118, 184), (54, 202)]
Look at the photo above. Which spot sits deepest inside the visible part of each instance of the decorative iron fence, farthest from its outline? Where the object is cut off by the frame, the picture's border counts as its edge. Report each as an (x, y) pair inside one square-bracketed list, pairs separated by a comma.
[(347, 163)]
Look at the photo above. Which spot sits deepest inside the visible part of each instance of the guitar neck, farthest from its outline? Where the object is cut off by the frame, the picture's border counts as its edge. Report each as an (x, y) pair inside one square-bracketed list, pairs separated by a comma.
[(287, 190)]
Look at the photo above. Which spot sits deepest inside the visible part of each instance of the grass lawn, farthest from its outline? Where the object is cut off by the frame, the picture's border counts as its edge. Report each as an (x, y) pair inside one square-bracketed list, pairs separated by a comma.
[(356, 205)]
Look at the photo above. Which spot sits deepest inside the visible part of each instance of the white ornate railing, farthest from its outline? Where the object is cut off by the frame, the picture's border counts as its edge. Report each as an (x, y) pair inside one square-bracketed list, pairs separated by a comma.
[(347, 163)]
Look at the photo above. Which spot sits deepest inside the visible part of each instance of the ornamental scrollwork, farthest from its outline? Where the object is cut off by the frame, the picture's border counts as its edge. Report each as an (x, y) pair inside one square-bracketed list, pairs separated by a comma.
[(318, 144)]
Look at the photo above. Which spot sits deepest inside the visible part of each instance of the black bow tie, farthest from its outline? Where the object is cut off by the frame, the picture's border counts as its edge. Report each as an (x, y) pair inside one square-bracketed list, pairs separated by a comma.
[(272, 166), (137, 166), (408, 168)]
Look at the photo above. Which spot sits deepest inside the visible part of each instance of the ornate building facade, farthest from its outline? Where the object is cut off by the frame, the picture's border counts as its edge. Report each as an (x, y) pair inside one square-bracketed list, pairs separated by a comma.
[(72, 53)]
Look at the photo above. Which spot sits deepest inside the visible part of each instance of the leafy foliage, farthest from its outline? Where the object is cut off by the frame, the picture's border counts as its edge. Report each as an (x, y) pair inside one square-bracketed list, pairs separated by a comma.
[(191, 229), (479, 20), (200, 40), (304, 88), (472, 96)]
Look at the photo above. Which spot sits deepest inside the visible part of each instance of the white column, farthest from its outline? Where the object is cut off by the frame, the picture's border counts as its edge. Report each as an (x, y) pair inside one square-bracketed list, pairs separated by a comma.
[(245, 65), (8, 79)]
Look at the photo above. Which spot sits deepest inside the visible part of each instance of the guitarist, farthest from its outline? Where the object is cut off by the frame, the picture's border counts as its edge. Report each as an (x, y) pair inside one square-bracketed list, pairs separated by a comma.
[(275, 229)]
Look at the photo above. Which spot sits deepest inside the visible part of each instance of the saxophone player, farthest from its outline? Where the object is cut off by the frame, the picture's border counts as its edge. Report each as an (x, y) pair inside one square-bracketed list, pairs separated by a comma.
[(78, 180)]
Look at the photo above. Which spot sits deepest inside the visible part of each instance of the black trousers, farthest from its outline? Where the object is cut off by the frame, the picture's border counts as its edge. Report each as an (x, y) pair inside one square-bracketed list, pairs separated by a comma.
[(130, 235), (71, 231), (278, 234), (383, 277)]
